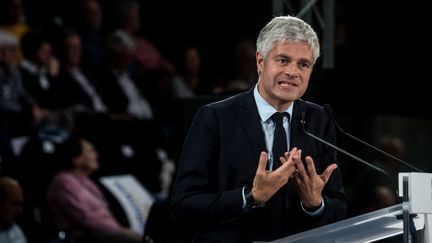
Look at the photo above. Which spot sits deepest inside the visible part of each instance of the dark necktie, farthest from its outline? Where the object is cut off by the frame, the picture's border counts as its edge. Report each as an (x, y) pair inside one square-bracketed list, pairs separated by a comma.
[(280, 139)]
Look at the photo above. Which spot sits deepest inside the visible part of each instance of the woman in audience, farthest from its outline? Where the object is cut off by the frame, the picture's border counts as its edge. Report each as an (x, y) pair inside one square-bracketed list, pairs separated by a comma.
[(77, 203)]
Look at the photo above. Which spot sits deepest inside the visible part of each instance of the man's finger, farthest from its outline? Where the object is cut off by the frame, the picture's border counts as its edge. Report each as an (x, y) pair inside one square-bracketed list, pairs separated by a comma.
[(311, 166), (262, 161), (326, 174), (285, 157), (299, 164)]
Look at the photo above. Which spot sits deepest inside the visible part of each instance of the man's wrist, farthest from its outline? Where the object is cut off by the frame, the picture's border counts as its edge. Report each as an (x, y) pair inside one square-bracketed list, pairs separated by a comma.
[(312, 208), (251, 203), (313, 211)]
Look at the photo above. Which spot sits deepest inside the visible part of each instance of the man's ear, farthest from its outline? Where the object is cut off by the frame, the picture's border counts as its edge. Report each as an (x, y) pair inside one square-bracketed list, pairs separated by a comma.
[(259, 62)]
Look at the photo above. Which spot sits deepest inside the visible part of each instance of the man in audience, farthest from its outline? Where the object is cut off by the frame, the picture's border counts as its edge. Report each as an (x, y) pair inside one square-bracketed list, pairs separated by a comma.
[(11, 200)]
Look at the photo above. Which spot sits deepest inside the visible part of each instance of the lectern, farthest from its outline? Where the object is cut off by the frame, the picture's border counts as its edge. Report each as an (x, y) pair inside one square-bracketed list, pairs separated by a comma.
[(416, 188)]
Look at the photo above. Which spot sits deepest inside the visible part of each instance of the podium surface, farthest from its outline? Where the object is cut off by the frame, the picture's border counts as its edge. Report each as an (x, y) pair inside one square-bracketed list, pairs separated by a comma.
[(370, 227)]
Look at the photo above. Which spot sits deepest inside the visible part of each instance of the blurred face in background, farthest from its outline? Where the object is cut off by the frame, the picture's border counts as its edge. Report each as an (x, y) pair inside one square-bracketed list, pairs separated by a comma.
[(132, 20), (16, 11), (192, 60), (92, 14), (87, 162), (8, 54), (11, 206), (44, 54), (73, 50)]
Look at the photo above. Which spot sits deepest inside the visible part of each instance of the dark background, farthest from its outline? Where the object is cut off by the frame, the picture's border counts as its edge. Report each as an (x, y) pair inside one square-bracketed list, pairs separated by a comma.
[(379, 86), (382, 65)]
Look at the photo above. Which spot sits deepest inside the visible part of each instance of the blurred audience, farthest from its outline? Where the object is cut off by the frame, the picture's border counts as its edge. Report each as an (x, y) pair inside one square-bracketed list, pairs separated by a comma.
[(78, 205), (11, 200), (75, 87), (12, 20), (244, 73), (373, 189), (76, 90), (134, 123), (89, 27), (39, 68), (19, 114), (148, 61), (394, 146), (18, 110), (380, 197), (146, 54), (119, 86), (187, 82)]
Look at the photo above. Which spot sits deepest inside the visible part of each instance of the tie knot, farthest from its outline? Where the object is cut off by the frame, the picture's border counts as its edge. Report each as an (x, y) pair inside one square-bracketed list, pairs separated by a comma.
[(277, 117)]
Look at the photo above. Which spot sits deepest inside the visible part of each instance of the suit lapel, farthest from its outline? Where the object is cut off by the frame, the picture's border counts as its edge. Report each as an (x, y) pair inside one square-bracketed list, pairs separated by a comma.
[(250, 121)]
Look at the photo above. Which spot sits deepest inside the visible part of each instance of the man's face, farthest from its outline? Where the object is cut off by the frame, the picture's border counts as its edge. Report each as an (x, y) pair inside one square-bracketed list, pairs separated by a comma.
[(284, 73), (73, 49), (44, 53), (8, 54), (11, 207)]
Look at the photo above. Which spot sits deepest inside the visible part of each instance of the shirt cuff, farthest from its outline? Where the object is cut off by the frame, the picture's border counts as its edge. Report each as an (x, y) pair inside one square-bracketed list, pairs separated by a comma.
[(244, 207), (316, 212)]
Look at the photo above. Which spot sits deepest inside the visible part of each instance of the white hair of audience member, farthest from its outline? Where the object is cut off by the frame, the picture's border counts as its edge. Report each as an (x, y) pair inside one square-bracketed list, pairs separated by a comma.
[(7, 39), (120, 40)]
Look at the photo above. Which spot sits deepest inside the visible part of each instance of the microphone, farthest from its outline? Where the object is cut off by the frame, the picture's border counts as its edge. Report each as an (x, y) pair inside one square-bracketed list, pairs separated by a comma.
[(329, 111), (303, 122)]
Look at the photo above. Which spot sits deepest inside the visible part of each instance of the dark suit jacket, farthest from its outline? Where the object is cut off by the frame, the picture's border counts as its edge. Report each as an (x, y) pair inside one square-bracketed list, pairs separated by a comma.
[(113, 94), (220, 157), (111, 91), (43, 98), (69, 92)]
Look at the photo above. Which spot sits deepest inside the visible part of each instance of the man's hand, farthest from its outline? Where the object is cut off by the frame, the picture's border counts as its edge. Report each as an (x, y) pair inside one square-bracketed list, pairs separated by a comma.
[(267, 183), (308, 183)]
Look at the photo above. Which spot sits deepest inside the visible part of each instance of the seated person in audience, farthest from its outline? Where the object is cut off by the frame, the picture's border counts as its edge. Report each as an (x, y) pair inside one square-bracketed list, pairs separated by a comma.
[(19, 114), (134, 120), (187, 83), (11, 200), (77, 93), (120, 88), (78, 204), (76, 87), (90, 28), (15, 102), (146, 54), (39, 68)]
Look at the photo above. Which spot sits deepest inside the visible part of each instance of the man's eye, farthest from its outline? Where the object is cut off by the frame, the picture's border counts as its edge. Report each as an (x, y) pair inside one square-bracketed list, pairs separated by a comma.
[(283, 61), (304, 65)]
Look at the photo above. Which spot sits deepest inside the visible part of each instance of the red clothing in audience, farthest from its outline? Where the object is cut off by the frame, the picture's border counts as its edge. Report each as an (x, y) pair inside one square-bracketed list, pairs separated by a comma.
[(78, 204)]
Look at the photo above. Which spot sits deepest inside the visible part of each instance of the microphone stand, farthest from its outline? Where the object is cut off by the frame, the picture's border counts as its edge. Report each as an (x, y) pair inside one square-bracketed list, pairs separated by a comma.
[(303, 122), (407, 218), (405, 212), (329, 111)]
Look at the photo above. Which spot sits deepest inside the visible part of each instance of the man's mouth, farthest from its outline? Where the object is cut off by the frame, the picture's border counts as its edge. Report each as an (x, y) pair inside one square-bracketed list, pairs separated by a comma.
[(287, 84)]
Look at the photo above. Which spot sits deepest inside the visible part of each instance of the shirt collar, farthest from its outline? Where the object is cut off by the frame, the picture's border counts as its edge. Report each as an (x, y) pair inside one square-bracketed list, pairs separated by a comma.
[(265, 110)]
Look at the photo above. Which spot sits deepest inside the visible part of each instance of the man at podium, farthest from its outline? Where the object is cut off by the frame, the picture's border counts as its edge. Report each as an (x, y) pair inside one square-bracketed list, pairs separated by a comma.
[(248, 172)]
